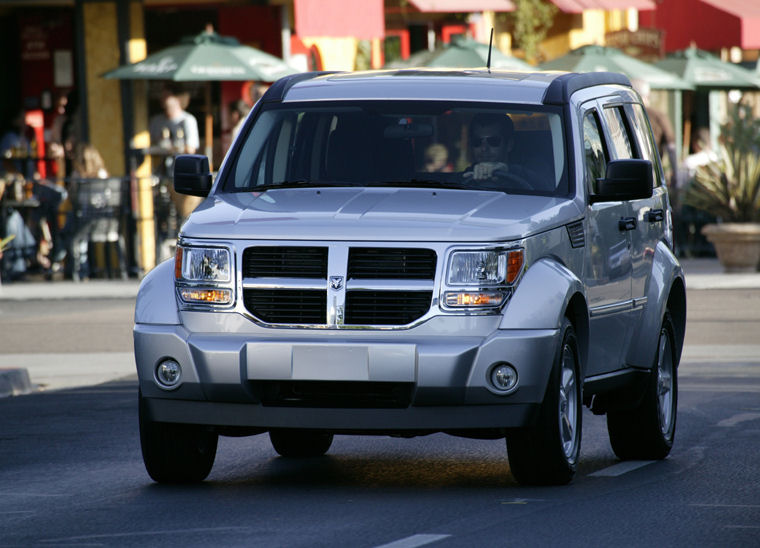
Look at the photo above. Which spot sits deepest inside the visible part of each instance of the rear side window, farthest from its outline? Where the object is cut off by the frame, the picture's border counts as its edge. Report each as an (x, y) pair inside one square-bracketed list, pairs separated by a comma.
[(619, 133), (595, 155)]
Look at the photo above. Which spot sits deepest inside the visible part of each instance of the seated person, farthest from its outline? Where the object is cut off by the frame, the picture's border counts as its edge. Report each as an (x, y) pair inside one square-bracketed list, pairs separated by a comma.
[(437, 158), (491, 139)]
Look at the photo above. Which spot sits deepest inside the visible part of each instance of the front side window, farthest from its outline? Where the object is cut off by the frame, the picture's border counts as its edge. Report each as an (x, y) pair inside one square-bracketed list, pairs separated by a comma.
[(404, 143), (644, 140), (595, 154)]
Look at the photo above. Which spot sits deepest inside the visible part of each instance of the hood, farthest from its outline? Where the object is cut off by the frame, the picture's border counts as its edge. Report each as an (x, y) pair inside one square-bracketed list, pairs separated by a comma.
[(377, 214)]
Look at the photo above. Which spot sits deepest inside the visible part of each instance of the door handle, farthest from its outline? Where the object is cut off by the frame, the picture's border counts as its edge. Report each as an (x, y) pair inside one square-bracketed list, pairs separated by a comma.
[(627, 223), (655, 215)]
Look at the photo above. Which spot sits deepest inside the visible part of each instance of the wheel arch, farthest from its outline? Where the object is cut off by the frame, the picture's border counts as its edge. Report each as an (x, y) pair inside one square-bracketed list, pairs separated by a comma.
[(156, 302), (666, 292), (547, 293), (577, 313), (677, 308)]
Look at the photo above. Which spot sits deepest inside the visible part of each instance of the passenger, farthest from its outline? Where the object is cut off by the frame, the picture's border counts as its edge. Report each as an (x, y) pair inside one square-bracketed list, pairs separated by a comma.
[(437, 158)]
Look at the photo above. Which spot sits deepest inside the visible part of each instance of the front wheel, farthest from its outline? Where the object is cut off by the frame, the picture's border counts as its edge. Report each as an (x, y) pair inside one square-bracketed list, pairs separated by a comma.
[(176, 453), (647, 431), (547, 453), (300, 443)]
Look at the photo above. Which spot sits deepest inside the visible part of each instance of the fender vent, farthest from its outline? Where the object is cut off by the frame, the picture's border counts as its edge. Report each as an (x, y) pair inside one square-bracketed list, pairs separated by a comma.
[(576, 234)]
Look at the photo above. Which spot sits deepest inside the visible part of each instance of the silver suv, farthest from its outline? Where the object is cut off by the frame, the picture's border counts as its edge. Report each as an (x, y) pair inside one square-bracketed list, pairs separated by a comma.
[(469, 252)]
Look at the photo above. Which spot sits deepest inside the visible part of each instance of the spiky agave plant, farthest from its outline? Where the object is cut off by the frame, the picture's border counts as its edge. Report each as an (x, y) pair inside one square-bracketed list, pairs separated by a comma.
[(729, 187)]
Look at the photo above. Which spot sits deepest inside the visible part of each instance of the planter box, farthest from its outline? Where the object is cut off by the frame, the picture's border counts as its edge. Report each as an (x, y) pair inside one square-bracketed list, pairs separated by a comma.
[(736, 244)]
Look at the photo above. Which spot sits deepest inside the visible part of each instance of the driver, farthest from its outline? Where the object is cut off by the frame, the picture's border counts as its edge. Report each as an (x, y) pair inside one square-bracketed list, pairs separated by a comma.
[(491, 139)]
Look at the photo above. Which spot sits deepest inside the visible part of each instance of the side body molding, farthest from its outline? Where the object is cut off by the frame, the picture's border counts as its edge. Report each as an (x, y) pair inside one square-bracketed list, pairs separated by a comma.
[(156, 303)]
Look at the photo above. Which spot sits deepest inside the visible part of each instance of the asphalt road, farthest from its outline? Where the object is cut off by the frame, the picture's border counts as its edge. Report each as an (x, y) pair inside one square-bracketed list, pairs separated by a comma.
[(71, 472)]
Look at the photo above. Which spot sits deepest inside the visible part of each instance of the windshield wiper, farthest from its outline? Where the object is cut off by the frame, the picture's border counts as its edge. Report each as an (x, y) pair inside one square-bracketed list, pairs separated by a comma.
[(296, 184)]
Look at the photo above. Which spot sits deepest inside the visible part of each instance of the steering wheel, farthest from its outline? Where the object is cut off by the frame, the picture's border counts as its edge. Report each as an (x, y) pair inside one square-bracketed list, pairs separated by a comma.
[(519, 181)]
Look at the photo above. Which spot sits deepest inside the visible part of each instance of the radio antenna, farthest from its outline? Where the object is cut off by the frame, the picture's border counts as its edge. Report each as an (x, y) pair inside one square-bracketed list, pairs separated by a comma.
[(490, 45)]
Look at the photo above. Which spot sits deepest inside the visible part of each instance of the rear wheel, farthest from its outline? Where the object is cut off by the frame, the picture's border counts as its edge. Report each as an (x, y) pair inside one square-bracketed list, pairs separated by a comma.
[(547, 453), (300, 443), (647, 431), (176, 453)]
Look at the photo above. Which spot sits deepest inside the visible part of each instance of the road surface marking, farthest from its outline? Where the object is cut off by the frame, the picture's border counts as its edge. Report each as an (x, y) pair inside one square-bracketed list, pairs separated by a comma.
[(727, 505), (146, 533), (621, 468), (736, 419), (414, 541)]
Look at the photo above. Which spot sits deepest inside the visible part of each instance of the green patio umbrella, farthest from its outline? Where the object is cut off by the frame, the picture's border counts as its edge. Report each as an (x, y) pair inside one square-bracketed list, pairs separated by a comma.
[(702, 69), (465, 53), (601, 58), (206, 57)]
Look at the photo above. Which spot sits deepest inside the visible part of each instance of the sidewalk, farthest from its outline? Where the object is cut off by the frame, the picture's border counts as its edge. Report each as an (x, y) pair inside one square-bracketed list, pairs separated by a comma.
[(90, 289), (87, 369)]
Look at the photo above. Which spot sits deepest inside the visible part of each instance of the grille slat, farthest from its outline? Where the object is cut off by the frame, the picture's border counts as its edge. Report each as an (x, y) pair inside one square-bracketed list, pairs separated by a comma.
[(391, 263), (386, 307), (287, 305), (285, 262)]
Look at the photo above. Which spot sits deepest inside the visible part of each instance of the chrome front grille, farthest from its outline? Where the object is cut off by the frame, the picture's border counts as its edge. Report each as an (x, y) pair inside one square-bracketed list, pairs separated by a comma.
[(338, 285)]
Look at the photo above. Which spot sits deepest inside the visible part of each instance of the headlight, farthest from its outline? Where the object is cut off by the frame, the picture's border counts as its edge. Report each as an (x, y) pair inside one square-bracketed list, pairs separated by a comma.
[(198, 272), (487, 273), (484, 268), (202, 264)]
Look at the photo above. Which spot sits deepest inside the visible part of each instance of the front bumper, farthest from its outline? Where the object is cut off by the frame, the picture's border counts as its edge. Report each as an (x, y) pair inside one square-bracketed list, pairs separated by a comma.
[(444, 363)]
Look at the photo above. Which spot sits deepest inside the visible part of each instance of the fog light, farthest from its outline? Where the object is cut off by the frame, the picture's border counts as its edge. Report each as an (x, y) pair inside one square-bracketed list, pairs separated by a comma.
[(168, 374), (503, 377)]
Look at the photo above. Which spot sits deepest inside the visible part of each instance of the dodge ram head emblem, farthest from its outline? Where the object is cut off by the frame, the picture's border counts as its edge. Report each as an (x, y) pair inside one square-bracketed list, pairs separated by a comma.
[(336, 282)]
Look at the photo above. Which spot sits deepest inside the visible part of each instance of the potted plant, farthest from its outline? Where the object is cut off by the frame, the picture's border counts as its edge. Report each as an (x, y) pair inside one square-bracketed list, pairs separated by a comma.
[(728, 187)]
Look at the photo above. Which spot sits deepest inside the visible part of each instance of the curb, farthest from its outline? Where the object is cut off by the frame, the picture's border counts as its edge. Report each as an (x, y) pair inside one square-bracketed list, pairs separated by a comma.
[(14, 382)]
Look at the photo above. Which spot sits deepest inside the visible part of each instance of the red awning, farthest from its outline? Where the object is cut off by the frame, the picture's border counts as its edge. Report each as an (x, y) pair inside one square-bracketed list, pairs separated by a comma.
[(748, 16), (340, 18), (460, 6), (740, 8), (578, 6)]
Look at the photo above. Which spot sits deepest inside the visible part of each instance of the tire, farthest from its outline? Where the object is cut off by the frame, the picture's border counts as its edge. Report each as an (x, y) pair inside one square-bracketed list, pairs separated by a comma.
[(300, 443), (547, 453), (647, 431), (176, 453)]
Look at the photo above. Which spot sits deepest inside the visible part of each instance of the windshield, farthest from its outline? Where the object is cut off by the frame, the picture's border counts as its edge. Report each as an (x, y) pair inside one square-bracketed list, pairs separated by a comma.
[(514, 149)]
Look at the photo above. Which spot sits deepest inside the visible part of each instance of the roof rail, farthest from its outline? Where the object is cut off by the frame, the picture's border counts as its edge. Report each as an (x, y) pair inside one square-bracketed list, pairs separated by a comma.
[(277, 91), (562, 87)]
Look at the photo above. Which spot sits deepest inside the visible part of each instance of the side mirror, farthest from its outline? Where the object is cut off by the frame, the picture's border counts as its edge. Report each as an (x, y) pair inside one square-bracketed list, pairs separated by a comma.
[(625, 180), (192, 175)]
